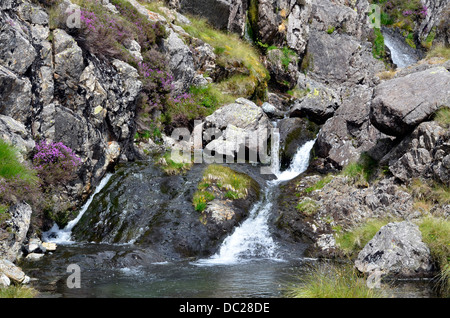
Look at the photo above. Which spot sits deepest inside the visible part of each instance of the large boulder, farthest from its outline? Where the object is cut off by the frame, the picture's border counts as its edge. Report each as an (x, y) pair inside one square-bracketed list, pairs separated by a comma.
[(241, 124), (397, 249), (15, 232), (399, 105), (13, 272), (423, 153)]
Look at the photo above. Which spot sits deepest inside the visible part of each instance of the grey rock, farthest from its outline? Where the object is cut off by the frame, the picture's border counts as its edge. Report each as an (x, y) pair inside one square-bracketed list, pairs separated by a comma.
[(399, 105), (319, 104), (32, 13), (14, 132), (244, 122), (298, 28), (181, 62), (4, 280), (397, 249), (13, 272), (340, 60), (18, 224), (16, 51), (271, 110), (284, 75), (16, 95)]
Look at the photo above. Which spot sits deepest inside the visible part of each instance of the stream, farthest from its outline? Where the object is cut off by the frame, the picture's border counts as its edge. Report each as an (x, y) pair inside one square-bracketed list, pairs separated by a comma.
[(248, 264)]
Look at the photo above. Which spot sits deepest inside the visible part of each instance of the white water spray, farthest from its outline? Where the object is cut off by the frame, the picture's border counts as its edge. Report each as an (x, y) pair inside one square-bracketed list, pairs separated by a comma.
[(63, 236), (252, 239)]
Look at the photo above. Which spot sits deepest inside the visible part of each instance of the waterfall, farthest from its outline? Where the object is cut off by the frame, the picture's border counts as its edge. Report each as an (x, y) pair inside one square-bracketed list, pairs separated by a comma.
[(252, 239), (63, 236), (402, 54)]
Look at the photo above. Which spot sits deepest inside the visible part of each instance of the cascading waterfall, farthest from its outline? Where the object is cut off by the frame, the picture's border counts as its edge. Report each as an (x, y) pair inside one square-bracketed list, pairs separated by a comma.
[(402, 54), (63, 236), (252, 239)]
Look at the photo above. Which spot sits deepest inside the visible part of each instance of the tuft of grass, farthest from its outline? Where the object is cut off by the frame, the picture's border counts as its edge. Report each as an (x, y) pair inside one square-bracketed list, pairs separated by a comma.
[(173, 165), (222, 181), (360, 173), (230, 49), (331, 30), (320, 184), (308, 206), (440, 51), (442, 117), (352, 241), (11, 167), (332, 281), (436, 234), (14, 291), (428, 193)]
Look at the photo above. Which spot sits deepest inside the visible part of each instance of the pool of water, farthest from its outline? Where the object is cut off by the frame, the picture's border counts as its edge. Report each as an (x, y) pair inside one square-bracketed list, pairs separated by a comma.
[(257, 278)]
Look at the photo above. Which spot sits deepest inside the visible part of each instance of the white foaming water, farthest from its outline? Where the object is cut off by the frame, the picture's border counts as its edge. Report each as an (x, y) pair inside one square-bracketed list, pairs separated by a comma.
[(252, 239), (63, 236), (400, 51)]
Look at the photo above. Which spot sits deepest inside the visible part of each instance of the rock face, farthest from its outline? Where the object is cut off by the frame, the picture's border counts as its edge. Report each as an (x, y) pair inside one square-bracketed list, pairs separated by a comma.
[(13, 236), (143, 205), (399, 105), (397, 249), (423, 153)]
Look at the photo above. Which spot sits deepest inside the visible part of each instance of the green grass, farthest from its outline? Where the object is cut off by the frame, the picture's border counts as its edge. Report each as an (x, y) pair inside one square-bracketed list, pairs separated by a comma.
[(173, 165), (428, 193), (222, 180), (11, 167), (231, 49), (352, 241), (442, 117), (308, 206), (320, 184), (331, 30), (332, 281), (17, 292), (436, 234), (378, 49), (359, 173)]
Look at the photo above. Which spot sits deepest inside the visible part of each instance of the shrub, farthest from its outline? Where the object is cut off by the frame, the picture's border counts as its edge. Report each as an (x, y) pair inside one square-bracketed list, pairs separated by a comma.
[(55, 163)]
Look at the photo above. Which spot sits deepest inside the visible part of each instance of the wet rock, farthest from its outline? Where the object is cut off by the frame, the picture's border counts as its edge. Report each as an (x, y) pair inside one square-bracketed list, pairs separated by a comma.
[(399, 105), (397, 249), (294, 132)]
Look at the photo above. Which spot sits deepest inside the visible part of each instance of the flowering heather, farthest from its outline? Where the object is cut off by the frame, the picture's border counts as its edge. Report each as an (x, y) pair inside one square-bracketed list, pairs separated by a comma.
[(55, 162)]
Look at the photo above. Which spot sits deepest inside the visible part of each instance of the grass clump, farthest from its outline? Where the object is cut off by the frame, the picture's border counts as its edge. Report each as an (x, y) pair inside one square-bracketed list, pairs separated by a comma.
[(221, 181), (442, 117), (332, 281), (360, 173), (173, 163), (320, 184), (14, 291), (436, 234), (352, 241), (231, 50), (426, 194), (308, 206)]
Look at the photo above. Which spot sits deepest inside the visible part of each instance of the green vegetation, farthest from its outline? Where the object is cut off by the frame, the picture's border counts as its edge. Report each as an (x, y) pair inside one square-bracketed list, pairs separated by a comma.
[(332, 281), (428, 193), (287, 57), (320, 184), (352, 241), (172, 164), (14, 291), (360, 173), (331, 29), (10, 166), (440, 51), (221, 181), (442, 117), (231, 50), (436, 234), (378, 49), (308, 206)]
